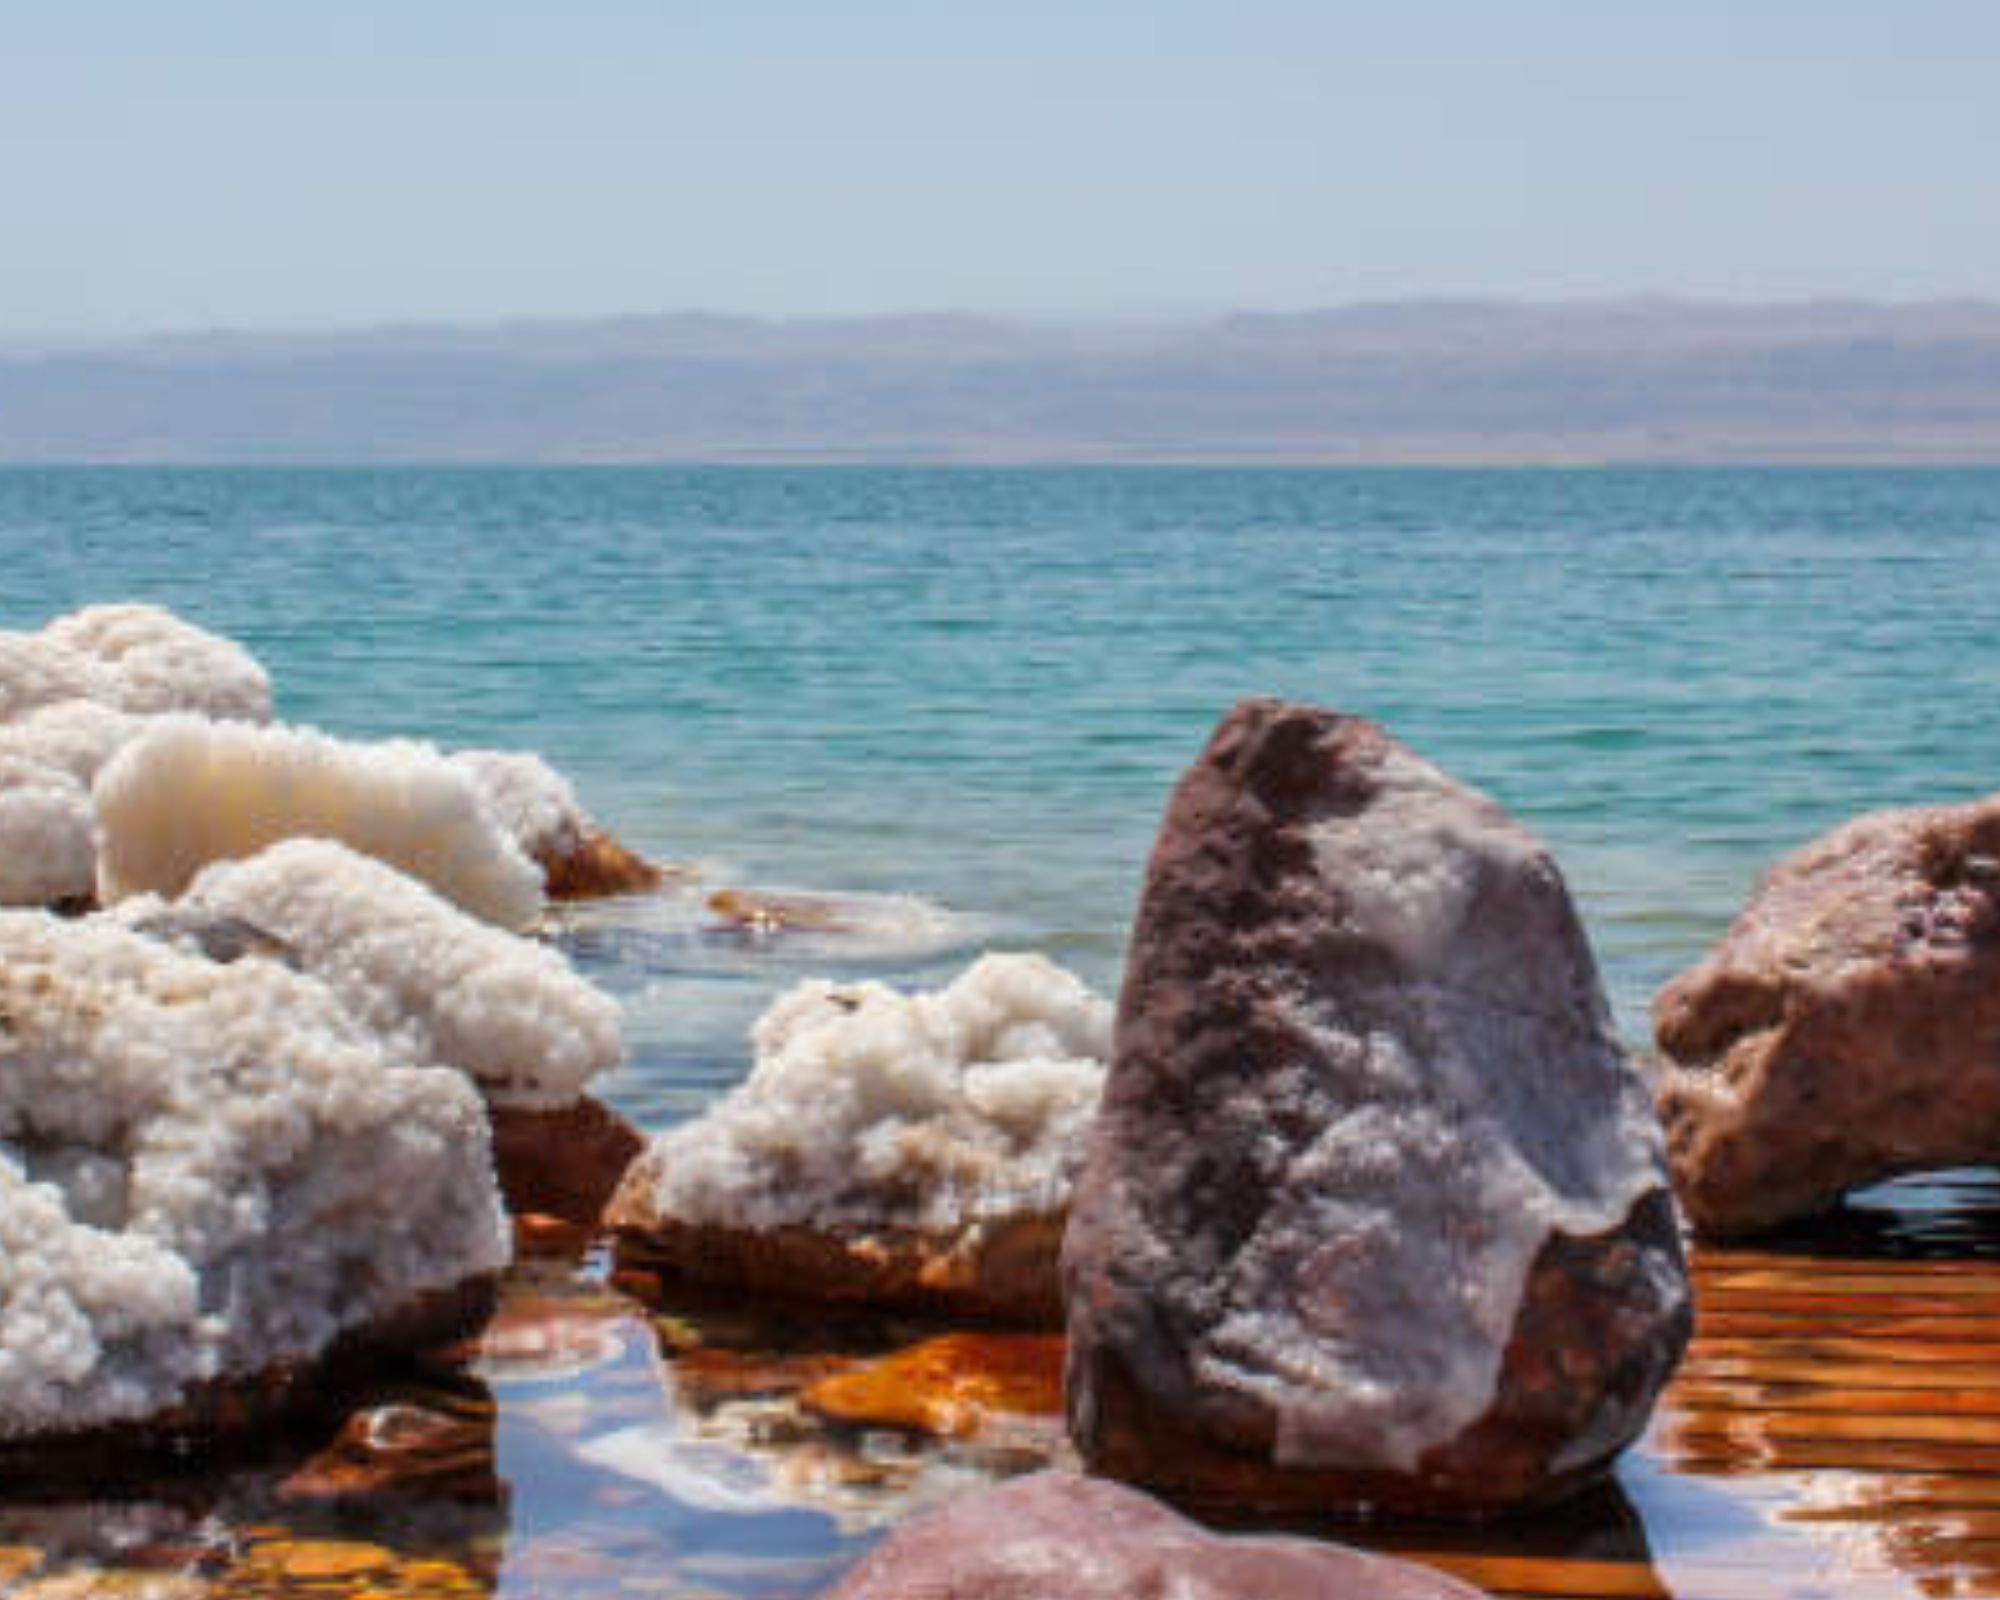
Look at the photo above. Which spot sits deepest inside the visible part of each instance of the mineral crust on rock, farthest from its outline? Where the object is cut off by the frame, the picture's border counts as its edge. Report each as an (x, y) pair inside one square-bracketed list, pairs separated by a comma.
[(1375, 1214), (909, 1150), (210, 1173), (1847, 1028), (1058, 1536)]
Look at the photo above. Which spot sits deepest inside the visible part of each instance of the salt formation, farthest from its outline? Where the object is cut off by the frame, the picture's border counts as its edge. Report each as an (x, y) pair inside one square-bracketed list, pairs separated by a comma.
[(46, 850), (1847, 1027), (149, 660), (207, 1171), (540, 812), (947, 1123), (1376, 1210), (507, 1012), (188, 791)]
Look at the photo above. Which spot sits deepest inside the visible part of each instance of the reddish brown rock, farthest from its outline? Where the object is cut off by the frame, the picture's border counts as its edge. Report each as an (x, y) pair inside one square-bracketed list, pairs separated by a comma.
[(562, 1163), (1847, 1028), (1057, 1536), (999, 1272), (952, 1386), (1375, 1213), (591, 865), (443, 1451)]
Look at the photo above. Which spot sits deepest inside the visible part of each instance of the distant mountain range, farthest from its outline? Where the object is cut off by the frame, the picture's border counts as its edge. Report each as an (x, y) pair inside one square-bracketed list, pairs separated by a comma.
[(1430, 381)]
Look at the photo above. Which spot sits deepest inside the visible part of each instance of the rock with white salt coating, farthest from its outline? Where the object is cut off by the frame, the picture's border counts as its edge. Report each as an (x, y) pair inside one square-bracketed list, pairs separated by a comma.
[(541, 813), (208, 1171), (1376, 1211), (189, 791), (48, 853), (148, 660), (507, 1012), (903, 1149)]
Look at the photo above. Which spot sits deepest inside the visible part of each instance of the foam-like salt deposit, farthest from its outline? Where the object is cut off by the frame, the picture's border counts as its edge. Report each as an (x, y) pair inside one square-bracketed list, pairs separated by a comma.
[(75, 736), (148, 660), (506, 1011), (527, 797), (189, 791), (46, 850), (206, 1170), (36, 673), (870, 1107)]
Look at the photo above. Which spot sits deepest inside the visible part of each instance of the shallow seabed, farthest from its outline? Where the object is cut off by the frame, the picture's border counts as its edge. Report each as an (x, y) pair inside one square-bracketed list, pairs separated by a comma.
[(1835, 1432)]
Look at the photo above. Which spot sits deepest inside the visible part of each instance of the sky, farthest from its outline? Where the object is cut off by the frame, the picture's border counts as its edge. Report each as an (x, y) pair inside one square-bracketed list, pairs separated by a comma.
[(273, 164)]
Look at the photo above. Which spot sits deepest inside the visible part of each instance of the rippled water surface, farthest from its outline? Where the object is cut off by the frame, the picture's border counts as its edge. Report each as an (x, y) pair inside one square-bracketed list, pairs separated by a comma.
[(976, 687), (962, 696)]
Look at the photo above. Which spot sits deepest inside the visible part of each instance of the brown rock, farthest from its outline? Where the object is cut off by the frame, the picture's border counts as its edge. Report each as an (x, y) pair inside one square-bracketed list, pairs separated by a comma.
[(1000, 1272), (594, 866), (1057, 1536), (951, 1386), (1375, 1212), (429, 1450), (1847, 1028), (563, 1163)]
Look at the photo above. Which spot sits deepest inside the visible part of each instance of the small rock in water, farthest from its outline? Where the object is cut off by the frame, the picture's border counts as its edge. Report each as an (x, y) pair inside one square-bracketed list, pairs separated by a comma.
[(563, 1162), (956, 1385), (1847, 1028), (1375, 1214), (906, 1150), (1057, 1536)]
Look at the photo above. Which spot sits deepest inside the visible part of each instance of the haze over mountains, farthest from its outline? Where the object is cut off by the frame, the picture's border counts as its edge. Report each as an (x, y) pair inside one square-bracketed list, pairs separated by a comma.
[(1460, 382)]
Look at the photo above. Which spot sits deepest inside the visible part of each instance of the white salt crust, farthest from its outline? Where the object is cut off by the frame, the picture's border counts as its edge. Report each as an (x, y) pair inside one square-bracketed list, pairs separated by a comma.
[(930, 1111), (529, 798), (187, 792), (151, 661), (1378, 1300), (505, 1011), (47, 854), (207, 1170)]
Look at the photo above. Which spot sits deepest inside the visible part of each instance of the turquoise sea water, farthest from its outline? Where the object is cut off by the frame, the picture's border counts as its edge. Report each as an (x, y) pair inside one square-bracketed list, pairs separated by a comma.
[(977, 687)]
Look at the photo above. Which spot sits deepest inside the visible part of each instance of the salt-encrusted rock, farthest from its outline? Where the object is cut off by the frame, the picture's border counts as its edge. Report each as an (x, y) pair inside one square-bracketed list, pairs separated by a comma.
[(907, 1149), (47, 853), (507, 1012), (1375, 1213), (540, 811), (208, 1172), (148, 660), (188, 791), (1058, 1536), (1847, 1028)]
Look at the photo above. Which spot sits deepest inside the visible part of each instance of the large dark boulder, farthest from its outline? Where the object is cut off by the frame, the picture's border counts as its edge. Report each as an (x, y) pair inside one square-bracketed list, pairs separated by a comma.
[(1847, 1028), (1375, 1213)]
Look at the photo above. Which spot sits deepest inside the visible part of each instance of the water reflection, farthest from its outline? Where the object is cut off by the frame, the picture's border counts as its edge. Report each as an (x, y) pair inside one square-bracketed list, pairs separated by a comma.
[(1836, 1432)]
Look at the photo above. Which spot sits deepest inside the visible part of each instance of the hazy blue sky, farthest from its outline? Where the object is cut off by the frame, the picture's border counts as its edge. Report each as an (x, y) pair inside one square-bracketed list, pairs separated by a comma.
[(189, 163)]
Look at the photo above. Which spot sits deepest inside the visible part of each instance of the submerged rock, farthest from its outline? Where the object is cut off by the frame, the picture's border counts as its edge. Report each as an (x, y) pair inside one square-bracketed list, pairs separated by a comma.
[(1375, 1213), (959, 1385), (1847, 1028), (1057, 1536), (907, 1150), (211, 1175)]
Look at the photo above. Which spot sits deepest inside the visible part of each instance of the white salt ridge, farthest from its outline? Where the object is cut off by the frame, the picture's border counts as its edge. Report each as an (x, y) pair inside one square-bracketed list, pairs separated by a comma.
[(207, 1170), (1450, 1172), (505, 1011), (529, 798), (189, 791), (926, 1111), (149, 661)]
